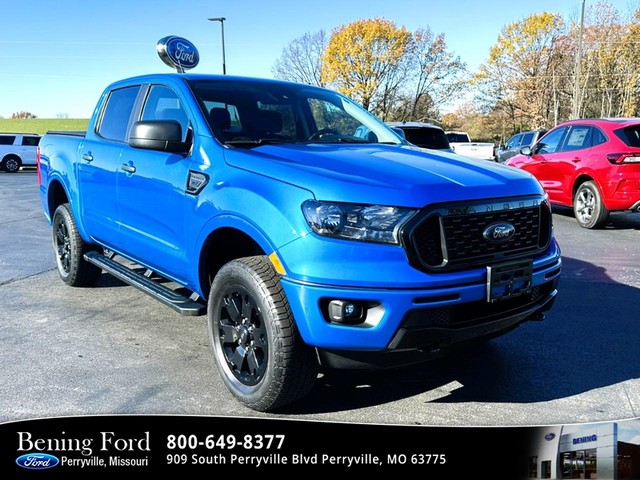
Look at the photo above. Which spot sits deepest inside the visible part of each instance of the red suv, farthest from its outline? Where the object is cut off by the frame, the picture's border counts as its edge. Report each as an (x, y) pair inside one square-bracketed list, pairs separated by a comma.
[(592, 165)]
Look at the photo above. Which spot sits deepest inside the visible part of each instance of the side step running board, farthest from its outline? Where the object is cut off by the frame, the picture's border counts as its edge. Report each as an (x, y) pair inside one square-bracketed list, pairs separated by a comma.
[(182, 304)]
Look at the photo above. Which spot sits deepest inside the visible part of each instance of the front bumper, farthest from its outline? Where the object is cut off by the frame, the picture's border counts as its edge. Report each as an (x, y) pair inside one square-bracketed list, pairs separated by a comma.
[(425, 317)]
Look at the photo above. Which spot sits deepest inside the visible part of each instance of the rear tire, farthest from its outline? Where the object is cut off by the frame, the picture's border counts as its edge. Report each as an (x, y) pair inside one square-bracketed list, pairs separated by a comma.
[(256, 345), (588, 207), (69, 248), (11, 164)]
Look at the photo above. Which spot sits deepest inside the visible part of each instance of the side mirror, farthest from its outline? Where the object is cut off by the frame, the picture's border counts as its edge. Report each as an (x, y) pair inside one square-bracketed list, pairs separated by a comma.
[(526, 151), (162, 135)]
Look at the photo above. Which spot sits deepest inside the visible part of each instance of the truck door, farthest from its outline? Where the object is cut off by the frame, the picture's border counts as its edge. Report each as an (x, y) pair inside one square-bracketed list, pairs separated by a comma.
[(151, 193), (98, 162)]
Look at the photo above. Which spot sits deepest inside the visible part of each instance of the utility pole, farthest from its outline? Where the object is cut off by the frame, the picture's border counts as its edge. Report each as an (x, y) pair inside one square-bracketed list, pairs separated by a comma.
[(221, 20), (575, 111)]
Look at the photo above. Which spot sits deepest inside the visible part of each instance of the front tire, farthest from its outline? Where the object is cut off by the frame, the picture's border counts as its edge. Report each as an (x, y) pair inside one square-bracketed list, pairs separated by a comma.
[(256, 345), (69, 248), (588, 207)]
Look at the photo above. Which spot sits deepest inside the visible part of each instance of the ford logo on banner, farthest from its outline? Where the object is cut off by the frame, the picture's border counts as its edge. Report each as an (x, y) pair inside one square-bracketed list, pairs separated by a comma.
[(549, 436), (499, 232), (37, 461), (178, 53)]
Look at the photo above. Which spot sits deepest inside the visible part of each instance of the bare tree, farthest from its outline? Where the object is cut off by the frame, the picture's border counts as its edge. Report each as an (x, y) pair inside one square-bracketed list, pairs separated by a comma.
[(439, 75), (301, 60)]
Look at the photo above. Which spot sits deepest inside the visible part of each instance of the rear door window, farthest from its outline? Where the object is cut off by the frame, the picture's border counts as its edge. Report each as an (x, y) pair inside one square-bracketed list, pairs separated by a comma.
[(579, 137), (30, 141), (117, 113)]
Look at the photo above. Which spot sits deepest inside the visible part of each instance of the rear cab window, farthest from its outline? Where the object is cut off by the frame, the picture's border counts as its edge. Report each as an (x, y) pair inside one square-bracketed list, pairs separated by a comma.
[(428, 137)]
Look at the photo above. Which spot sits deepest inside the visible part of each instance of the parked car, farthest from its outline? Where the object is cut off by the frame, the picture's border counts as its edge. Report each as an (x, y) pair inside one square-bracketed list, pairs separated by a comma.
[(518, 141), (461, 143), (18, 150), (592, 165), (425, 135)]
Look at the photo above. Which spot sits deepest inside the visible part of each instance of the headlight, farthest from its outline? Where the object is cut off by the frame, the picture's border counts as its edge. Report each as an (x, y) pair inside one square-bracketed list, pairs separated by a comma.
[(368, 223)]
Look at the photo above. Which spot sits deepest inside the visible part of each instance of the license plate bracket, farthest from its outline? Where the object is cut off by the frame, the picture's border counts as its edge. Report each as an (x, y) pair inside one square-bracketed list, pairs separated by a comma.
[(509, 280)]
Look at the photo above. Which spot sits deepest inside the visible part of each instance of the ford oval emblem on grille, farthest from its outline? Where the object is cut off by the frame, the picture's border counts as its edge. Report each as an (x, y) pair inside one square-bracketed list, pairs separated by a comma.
[(499, 232)]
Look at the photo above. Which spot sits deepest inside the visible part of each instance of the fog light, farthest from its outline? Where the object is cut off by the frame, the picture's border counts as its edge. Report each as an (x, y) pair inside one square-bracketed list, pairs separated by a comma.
[(346, 311)]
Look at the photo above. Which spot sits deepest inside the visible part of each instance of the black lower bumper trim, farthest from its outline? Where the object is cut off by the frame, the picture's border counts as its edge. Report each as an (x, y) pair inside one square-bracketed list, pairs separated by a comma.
[(416, 345)]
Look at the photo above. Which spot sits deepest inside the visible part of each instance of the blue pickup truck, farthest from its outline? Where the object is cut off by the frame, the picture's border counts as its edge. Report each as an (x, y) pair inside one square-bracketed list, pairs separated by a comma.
[(310, 234)]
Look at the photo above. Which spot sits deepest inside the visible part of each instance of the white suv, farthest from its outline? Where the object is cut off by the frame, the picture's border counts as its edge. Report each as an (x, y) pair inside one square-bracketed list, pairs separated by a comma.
[(17, 150)]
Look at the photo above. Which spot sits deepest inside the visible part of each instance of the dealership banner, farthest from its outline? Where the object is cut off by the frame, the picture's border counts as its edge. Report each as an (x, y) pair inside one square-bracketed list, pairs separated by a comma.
[(199, 446), (95, 446)]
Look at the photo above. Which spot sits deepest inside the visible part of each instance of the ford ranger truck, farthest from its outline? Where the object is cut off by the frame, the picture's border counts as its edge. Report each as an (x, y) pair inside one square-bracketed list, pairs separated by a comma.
[(309, 233)]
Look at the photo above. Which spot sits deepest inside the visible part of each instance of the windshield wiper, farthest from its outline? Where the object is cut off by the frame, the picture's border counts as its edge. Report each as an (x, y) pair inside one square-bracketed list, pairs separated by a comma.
[(336, 139), (248, 143)]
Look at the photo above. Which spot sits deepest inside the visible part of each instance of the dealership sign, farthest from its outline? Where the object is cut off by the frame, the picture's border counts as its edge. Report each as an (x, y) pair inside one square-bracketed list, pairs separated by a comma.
[(178, 53), (585, 439)]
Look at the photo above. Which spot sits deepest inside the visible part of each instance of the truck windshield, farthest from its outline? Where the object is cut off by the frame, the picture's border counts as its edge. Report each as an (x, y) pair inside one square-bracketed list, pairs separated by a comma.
[(250, 113)]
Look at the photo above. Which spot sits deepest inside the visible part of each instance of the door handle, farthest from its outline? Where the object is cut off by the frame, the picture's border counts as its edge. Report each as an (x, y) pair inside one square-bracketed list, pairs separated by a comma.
[(576, 159), (128, 168), (87, 156)]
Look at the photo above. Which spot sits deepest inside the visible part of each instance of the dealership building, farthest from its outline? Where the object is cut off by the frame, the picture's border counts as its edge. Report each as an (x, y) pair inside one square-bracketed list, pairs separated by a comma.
[(589, 451)]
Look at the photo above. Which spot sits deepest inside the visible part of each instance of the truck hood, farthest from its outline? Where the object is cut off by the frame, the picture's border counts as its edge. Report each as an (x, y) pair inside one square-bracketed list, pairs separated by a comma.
[(384, 174)]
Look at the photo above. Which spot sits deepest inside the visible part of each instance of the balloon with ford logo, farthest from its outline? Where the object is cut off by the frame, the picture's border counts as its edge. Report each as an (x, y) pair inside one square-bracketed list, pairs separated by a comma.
[(178, 53)]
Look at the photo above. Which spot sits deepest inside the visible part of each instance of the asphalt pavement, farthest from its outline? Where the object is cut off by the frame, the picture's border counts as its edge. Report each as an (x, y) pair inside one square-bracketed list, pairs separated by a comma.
[(113, 350)]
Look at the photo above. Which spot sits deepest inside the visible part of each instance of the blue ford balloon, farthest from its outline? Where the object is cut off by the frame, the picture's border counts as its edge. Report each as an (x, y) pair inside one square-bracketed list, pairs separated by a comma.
[(37, 461), (178, 53)]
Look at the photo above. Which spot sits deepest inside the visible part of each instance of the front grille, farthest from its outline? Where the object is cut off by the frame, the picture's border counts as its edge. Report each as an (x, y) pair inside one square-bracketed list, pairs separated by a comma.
[(451, 236)]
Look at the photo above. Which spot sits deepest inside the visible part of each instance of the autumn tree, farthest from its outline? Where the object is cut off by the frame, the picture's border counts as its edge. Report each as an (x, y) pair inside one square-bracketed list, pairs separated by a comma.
[(519, 77), (362, 60), (609, 68), (301, 60)]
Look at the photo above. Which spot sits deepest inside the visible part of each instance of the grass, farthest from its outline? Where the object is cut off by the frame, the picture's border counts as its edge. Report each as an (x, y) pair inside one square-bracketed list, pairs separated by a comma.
[(42, 125)]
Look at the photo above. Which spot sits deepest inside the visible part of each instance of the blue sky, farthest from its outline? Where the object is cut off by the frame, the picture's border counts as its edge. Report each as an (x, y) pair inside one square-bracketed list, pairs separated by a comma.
[(57, 56)]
